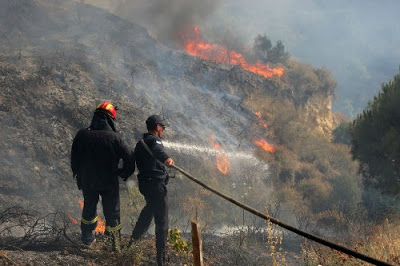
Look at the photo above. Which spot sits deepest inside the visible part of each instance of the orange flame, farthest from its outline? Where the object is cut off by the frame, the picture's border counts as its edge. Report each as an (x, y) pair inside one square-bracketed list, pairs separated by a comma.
[(101, 227), (222, 163), (260, 120), (72, 219), (222, 160), (81, 204), (220, 54), (265, 145)]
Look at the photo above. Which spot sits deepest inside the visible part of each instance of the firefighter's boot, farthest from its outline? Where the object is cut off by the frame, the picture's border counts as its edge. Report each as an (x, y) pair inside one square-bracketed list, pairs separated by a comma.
[(114, 235), (87, 227), (161, 258)]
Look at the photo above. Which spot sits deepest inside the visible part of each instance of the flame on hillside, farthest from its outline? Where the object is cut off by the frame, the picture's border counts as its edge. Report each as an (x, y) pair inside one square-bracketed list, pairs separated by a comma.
[(80, 202), (260, 119), (262, 143), (220, 54), (100, 228), (72, 219), (222, 160)]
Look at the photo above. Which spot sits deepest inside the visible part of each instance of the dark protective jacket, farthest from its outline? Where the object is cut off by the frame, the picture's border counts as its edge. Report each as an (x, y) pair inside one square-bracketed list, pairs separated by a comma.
[(149, 167), (96, 153)]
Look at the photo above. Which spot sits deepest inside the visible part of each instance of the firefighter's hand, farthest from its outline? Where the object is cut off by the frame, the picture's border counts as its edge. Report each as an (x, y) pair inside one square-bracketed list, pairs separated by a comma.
[(169, 162)]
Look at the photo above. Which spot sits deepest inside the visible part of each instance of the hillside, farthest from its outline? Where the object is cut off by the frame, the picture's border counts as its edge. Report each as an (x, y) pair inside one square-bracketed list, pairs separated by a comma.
[(59, 59), (57, 63)]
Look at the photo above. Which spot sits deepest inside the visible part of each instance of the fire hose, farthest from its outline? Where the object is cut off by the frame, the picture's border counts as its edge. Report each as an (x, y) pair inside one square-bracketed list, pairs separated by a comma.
[(281, 224)]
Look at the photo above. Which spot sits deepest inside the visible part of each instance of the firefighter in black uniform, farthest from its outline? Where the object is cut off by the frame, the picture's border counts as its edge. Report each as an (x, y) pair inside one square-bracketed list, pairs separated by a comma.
[(95, 156), (153, 178)]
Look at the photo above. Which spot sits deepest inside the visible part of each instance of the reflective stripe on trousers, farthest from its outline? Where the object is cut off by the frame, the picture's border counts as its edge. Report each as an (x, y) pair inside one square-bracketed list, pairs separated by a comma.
[(88, 222), (113, 229)]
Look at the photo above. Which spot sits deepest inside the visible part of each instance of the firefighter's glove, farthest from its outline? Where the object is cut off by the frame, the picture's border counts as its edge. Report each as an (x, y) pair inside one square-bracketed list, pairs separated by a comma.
[(78, 182)]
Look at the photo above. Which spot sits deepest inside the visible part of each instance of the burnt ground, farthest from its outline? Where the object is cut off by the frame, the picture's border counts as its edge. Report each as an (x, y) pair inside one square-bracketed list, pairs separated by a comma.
[(53, 239), (69, 251)]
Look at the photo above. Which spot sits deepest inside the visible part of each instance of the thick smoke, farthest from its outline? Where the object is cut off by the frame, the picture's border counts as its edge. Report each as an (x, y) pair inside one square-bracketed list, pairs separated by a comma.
[(165, 19)]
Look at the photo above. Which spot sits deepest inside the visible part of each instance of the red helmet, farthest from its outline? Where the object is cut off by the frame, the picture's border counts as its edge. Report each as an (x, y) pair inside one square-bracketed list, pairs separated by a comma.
[(108, 109)]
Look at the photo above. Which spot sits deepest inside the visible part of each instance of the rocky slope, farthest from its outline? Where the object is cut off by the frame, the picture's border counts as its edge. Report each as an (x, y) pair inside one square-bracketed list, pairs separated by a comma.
[(60, 58)]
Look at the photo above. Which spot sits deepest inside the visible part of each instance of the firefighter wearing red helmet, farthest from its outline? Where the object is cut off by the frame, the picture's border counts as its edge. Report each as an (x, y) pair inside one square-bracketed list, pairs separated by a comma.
[(95, 156), (108, 109)]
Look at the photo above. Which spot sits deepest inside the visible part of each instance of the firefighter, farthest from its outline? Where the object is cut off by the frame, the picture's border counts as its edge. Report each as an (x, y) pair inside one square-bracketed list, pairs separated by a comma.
[(151, 161), (95, 159)]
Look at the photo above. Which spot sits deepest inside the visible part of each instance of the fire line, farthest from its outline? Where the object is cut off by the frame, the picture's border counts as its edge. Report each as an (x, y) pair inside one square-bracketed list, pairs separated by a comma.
[(220, 54), (260, 119), (262, 143)]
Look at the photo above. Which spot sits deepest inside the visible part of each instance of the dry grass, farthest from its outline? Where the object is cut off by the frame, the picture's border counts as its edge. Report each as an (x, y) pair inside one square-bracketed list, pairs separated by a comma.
[(383, 244)]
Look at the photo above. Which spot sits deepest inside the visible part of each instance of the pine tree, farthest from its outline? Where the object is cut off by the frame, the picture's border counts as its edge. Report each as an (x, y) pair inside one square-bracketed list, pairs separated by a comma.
[(376, 139), (262, 46)]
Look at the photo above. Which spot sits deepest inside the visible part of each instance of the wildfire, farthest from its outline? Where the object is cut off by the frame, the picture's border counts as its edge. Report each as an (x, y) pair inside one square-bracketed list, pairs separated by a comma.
[(100, 228), (222, 160), (81, 204), (220, 54), (260, 119), (72, 219), (265, 145)]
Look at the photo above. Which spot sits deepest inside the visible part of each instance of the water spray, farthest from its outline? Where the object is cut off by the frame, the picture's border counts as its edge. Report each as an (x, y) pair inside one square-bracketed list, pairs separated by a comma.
[(191, 149)]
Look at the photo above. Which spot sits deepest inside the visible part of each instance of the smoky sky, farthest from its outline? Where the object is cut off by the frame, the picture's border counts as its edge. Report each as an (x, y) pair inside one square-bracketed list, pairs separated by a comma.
[(356, 40), (165, 18)]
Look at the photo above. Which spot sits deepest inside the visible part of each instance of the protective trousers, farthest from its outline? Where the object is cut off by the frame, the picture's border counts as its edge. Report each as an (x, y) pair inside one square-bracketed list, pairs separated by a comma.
[(155, 194), (111, 210)]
